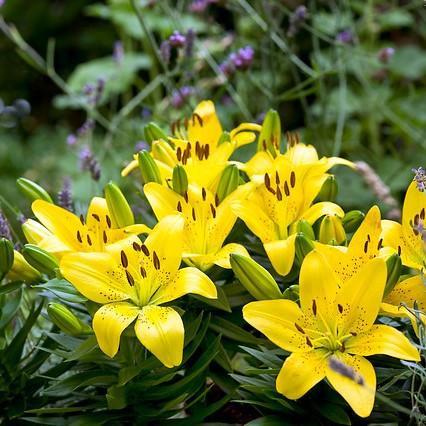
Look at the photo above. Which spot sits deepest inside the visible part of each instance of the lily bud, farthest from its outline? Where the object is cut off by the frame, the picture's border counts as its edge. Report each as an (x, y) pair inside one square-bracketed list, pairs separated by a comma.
[(332, 231), (121, 213), (394, 266), (292, 293), (40, 259), (228, 182), (180, 180), (22, 270), (153, 132), (305, 228), (255, 278), (270, 134), (63, 318), (33, 191), (352, 220), (329, 189), (6, 256), (34, 231), (224, 137), (303, 245), (149, 169), (163, 152)]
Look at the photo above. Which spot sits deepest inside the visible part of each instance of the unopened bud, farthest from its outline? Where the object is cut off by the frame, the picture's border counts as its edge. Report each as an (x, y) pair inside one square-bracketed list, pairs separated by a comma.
[(21, 270), (33, 191), (394, 266), (255, 278), (121, 213), (34, 231), (291, 293), (40, 259), (6, 256), (180, 180), (270, 134), (303, 245), (149, 169), (224, 137), (153, 132), (228, 182), (63, 318), (163, 152), (332, 231), (352, 220), (329, 190)]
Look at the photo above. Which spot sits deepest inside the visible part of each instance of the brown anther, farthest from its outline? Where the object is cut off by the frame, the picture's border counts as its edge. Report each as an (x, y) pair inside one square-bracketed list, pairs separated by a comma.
[(185, 196), (206, 150), (368, 238), (108, 221), (380, 244), (193, 214), (173, 128), (203, 193), (198, 117), (314, 307), (353, 333), (184, 157), (136, 246), (366, 246), (279, 194), (156, 261), (186, 122), (264, 144), (197, 149), (82, 219), (342, 348), (399, 250), (130, 279), (422, 214), (299, 328), (416, 219), (213, 210), (179, 207), (143, 272), (340, 307), (286, 189), (96, 217), (89, 241), (104, 237), (79, 237), (308, 342), (267, 181), (179, 153), (277, 178), (124, 260), (145, 250), (216, 200), (292, 179)]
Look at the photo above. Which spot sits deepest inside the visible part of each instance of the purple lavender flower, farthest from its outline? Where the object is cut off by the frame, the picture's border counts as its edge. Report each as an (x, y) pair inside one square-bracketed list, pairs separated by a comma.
[(71, 139), (199, 6), (238, 61), (420, 178), (88, 89), (2, 2), (141, 146), (5, 230), (65, 195), (89, 163), (385, 54), (86, 127), (180, 96), (296, 20), (345, 37), (177, 39), (118, 52)]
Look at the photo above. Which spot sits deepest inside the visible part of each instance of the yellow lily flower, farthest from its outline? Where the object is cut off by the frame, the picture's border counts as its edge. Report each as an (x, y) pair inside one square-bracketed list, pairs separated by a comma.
[(207, 223), (131, 280), (61, 231), (332, 321), (277, 201), (197, 148)]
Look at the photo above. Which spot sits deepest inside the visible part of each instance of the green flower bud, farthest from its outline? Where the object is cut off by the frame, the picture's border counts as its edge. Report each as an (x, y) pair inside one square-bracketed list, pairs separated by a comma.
[(121, 213), (394, 266), (63, 318), (153, 132), (224, 137), (40, 259), (329, 190), (180, 180), (255, 278), (228, 182), (22, 270), (332, 231), (292, 293), (164, 153), (270, 134), (305, 228), (148, 167), (303, 245), (352, 220), (6, 256), (33, 191)]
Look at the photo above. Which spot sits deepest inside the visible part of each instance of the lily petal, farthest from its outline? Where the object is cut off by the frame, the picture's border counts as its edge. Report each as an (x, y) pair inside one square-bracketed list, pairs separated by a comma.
[(162, 200), (382, 339), (109, 322), (359, 396), (301, 372), (411, 290), (161, 331), (321, 209), (278, 320), (281, 254), (208, 129)]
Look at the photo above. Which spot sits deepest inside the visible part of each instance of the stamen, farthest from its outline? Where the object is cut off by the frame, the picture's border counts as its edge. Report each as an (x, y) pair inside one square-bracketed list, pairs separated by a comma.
[(79, 237), (353, 333), (105, 238), (203, 193), (216, 200), (299, 328), (143, 272), (96, 217), (124, 260), (185, 196), (82, 219), (286, 189), (198, 117), (277, 178), (193, 214), (342, 347), (366, 246), (145, 250), (179, 153), (207, 150), (108, 221), (267, 181), (308, 342), (136, 246), (89, 241), (279, 194), (179, 207), (380, 244), (156, 261), (422, 214), (130, 279), (399, 250), (292, 179), (368, 238), (340, 307), (213, 210), (314, 307)]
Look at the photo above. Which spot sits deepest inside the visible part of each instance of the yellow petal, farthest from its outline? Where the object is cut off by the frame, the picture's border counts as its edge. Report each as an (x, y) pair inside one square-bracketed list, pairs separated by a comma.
[(207, 130), (402, 311), (338, 259), (137, 229), (161, 331), (58, 221), (259, 164), (411, 290), (187, 280), (109, 322), (358, 302), (302, 154), (321, 209), (129, 168), (281, 254), (97, 213), (359, 396), (318, 285), (221, 258), (35, 232), (301, 372), (163, 152), (162, 200), (382, 339), (277, 320), (96, 276)]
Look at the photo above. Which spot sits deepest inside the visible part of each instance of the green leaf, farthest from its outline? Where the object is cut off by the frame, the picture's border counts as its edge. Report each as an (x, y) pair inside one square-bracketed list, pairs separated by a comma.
[(333, 412), (9, 309), (9, 287), (394, 18), (220, 303), (269, 421), (232, 331), (63, 290), (409, 62)]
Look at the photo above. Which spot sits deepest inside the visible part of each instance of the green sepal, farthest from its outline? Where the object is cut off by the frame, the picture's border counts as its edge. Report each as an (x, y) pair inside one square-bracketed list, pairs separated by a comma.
[(352, 219), (292, 293), (228, 182), (180, 180), (63, 318), (329, 190), (153, 132), (303, 245)]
